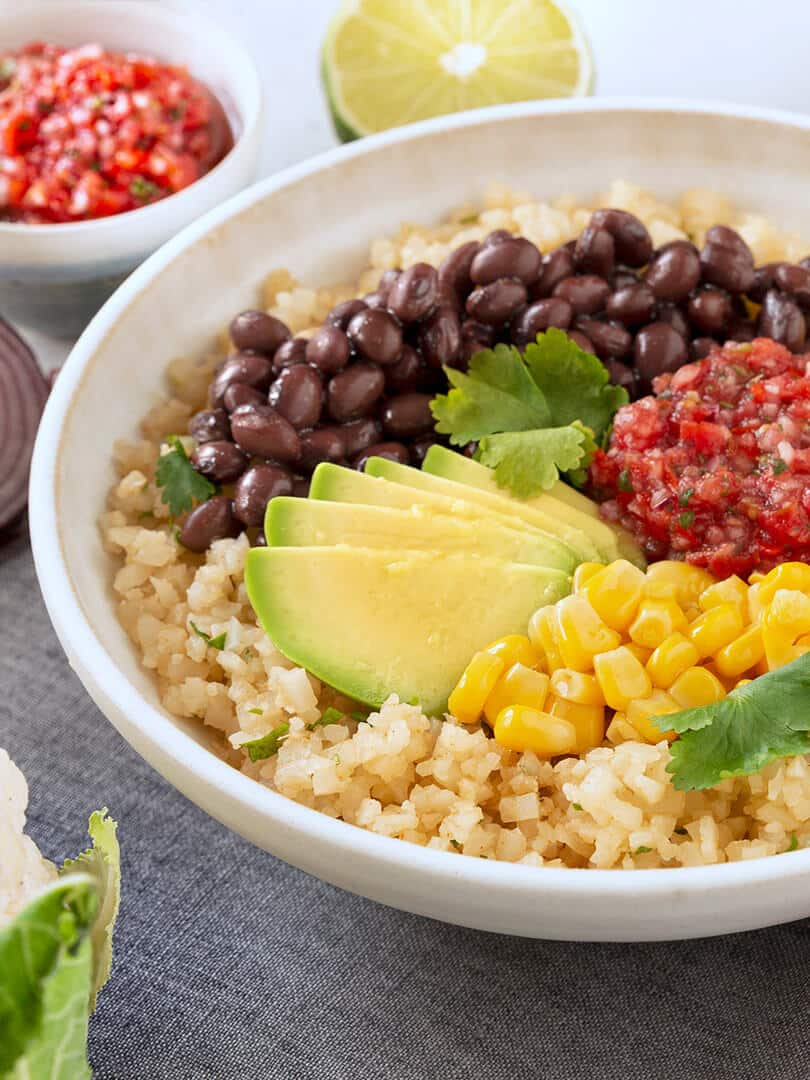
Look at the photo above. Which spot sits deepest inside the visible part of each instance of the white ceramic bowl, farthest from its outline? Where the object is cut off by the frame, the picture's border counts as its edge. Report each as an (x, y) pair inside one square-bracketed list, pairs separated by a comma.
[(318, 219), (55, 277)]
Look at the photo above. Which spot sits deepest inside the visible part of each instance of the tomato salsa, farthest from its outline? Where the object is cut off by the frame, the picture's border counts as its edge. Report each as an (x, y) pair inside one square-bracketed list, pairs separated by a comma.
[(86, 133), (714, 467)]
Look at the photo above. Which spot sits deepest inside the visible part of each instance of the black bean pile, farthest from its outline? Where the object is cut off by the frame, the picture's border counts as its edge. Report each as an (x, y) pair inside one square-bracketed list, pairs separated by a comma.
[(362, 384)]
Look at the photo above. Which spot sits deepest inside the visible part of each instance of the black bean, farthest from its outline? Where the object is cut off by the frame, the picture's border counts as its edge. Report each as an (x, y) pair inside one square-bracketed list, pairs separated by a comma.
[(632, 240), (210, 425), (764, 279), (220, 461), (631, 305), (358, 435), (487, 335), (439, 337), (256, 488), (672, 314), (407, 416), (260, 430), (726, 260), (373, 300), (622, 375), (497, 302), (301, 487), (407, 373), (623, 277), (252, 369), (454, 274), (740, 329), (210, 521), (322, 444), (388, 279), (658, 348), (674, 271), (259, 540), (343, 313), (497, 236), (353, 393), (415, 293), (710, 310), (608, 338), (794, 280), (288, 353), (241, 394), (258, 331), (586, 293), (391, 451), (376, 335), (781, 319), (556, 266), (539, 316), (582, 341), (515, 257), (700, 347), (328, 349), (595, 251), (297, 394), (419, 449)]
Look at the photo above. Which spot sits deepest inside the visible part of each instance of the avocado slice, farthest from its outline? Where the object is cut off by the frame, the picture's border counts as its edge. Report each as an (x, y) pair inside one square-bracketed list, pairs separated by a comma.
[(291, 522), (335, 483), (581, 544), (562, 500), (372, 622)]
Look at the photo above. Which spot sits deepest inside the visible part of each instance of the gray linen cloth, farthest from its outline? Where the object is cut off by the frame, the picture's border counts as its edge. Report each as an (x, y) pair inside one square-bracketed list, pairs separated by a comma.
[(230, 964)]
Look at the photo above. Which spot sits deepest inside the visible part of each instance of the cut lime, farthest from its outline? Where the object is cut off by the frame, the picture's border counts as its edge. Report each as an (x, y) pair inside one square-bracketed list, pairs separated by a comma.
[(392, 62)]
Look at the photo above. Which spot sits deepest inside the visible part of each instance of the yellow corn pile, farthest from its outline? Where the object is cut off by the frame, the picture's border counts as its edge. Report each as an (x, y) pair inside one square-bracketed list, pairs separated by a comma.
[(627, 646)]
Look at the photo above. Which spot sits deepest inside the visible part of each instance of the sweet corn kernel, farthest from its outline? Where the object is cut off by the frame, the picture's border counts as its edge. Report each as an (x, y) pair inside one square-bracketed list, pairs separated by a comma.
[(789, 575), (576, 686), (641, 654), (582, 633), (583, 574), (656, 620), (742, 682), (732, 590), (515, 649), (786, 620), (466, 702), (689, 581), (521, 728), (588, 720), (544, 634), (715, 629), (756, 576), (674, 655), (620, 730), (696, 686), (519, 685), (621, 677), (741, 654), (614, 593), (756, 608), (642, 713)]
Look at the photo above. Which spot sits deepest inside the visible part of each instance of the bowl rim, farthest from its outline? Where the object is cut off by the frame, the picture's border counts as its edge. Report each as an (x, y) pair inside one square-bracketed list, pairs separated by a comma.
[(197, 764), (195, 25)]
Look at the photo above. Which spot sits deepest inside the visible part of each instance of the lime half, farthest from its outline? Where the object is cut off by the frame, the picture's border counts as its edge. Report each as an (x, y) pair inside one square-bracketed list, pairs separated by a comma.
[(392, 62)]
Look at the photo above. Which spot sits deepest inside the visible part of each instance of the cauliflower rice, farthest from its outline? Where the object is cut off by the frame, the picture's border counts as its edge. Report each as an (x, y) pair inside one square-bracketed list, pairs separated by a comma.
[(403, 774)]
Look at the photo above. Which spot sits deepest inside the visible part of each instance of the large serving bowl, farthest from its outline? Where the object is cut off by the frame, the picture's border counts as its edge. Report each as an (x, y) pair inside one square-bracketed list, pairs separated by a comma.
[(55, 277), (317, 219)]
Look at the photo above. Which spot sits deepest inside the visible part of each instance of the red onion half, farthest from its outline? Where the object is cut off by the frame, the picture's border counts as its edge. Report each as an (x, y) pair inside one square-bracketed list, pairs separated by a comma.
[(23, 393)]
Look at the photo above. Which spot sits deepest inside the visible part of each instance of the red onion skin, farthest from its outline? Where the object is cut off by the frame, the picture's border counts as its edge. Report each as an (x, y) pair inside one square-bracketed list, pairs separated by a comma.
[(23, 393)]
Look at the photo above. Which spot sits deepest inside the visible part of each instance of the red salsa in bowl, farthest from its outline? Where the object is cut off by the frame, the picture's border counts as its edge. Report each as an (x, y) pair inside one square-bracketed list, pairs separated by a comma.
[(87, 133)]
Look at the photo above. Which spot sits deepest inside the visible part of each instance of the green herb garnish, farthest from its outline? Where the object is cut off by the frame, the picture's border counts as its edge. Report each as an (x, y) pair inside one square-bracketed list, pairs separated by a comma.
[(624, 482), (143, 189), (779, 466), (181, 483), (256, 712), (686, 519), (331, 716), (794, 842), (217, 642), (760, 722), (576, 805), (684, 497), (268, 744), (642, 850)]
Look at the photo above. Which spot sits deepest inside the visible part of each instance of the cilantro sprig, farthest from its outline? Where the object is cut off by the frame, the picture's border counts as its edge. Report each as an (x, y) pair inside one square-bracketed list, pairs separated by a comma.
[(755, 724), (269, 744), (182, 486), (217, 642), (535, 416)]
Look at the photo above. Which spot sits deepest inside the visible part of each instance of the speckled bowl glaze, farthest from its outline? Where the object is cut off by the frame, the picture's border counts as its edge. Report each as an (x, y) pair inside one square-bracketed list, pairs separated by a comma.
[(318, 219), (55, 277)]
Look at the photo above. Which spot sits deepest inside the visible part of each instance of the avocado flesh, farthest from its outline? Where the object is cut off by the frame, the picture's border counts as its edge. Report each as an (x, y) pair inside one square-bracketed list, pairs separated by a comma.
[(576, 509), (291, 522), (335, 483), (584, 549), (372, 622)]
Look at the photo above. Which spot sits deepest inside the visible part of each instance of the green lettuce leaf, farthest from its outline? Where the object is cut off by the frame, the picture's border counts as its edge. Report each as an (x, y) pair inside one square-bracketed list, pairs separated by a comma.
[(528, 462), (54, 956), (755, 724)]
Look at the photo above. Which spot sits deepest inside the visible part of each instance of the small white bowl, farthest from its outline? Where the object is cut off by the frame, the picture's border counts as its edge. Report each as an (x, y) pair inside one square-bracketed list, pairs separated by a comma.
[(55, 277), (318, 219)]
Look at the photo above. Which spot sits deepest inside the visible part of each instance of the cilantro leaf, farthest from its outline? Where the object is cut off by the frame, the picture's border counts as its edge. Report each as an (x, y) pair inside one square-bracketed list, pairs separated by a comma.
[(181, 483), (496, 394), (575, 383), (527, 462), (217, 642), (331, 716), (268, 744), (757, 723)]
